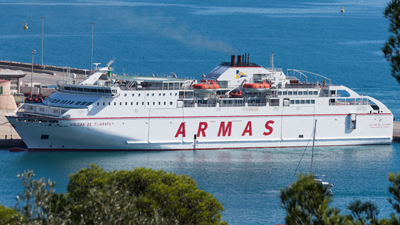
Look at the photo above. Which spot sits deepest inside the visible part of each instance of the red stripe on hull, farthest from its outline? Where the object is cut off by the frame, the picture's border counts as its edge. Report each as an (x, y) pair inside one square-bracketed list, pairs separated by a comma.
[(186, 149), (193, 117)]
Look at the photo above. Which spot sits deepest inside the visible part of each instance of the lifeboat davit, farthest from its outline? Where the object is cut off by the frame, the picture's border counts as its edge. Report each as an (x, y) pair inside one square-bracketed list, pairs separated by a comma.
[(255, 87), (205, 87)]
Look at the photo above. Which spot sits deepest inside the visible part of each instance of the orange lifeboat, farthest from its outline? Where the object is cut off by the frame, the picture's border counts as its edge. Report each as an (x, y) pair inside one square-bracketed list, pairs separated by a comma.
[(205, 87), (236, 94), (210, 84), (255, 87)]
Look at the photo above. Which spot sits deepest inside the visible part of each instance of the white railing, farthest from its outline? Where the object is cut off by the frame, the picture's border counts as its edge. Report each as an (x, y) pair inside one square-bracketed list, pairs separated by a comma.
[(43, 110)]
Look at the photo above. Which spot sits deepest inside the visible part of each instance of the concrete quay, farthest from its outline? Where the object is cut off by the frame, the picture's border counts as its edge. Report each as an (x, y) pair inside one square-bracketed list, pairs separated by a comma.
[(8, 136), (396, 131), (37, 68)]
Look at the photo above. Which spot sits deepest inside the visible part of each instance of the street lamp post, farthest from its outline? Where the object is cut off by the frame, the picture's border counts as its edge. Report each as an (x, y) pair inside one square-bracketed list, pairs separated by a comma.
[(33, 55), (91, 53), (41, 62)]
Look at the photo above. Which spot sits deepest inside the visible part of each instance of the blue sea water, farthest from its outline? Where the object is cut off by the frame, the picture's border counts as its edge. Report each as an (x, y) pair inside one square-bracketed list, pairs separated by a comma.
[(190, 38)]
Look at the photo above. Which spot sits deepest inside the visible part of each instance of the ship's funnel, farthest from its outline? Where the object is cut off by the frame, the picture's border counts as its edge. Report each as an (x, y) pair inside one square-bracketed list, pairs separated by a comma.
[(239, 59), (232, 60)]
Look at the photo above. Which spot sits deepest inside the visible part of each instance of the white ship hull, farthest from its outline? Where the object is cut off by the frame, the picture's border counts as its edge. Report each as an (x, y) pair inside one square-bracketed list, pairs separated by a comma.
[(223, 128), (170, 116)]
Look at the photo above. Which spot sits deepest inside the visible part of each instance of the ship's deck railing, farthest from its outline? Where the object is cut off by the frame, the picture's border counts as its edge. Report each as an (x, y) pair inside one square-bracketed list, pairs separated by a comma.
[(257, 104), (235, 102), (43, 110), (351, 101), (206, 105), (302, 73), (304, 85)]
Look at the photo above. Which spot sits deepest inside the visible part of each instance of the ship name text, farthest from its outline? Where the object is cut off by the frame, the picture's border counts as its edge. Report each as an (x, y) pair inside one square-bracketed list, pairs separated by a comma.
[(225, 129), (90, 124)]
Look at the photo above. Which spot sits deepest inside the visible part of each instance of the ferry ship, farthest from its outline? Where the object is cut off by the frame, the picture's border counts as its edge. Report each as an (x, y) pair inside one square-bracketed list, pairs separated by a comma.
[(238, 105)]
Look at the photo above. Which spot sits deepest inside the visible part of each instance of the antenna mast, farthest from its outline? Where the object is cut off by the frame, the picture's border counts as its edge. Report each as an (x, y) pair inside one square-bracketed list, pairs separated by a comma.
[(272, 61)]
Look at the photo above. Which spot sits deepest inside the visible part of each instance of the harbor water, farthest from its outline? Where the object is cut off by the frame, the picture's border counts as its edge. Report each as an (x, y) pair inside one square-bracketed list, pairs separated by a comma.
[(190, 38)]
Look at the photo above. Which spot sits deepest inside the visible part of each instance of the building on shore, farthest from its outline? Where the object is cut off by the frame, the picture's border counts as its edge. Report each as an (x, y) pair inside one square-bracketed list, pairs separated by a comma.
[(6, 98), (14, 76)]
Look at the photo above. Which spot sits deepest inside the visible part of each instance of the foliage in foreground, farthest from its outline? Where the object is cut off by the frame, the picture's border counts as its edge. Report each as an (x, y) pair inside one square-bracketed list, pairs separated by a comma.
[(7, 215), (391, 49), (139, 196), (307, 202)]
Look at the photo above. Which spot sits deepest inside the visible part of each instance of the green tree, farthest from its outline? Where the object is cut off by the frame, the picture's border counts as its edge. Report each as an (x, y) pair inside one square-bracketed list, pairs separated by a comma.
[(394, 190), (138, 197), (38, 203), (306, 202), (363, 212), (391, 49), (173, 197), (8, 215)]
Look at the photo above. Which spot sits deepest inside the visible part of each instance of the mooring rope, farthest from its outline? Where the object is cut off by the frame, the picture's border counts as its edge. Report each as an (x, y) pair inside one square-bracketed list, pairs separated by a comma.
[(3, 123), (303, 154)]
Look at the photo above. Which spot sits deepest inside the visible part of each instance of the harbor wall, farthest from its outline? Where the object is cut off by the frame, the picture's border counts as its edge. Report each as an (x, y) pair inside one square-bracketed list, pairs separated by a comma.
[(37, 67)]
